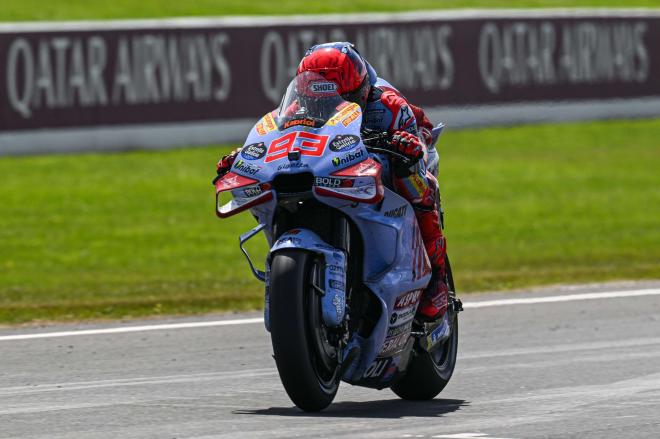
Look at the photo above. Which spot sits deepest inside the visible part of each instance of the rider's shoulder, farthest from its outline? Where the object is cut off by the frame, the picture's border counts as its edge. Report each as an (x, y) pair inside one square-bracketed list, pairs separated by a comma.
[(388, 109), (386, 94)]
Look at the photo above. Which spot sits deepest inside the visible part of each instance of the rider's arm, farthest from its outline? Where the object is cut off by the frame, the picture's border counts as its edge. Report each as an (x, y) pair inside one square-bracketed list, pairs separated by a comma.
[(403, 128)]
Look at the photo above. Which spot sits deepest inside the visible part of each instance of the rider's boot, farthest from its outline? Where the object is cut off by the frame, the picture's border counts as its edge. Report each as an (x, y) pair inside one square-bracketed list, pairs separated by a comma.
[(435, 298)]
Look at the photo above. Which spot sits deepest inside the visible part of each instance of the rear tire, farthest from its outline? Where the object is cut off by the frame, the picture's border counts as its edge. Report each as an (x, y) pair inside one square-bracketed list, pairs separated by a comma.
[(429, 372), (307, 363)]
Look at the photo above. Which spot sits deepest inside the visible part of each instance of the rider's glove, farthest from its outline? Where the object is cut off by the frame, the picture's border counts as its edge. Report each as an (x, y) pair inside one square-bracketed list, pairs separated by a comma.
[(408, 145), (225, 163)]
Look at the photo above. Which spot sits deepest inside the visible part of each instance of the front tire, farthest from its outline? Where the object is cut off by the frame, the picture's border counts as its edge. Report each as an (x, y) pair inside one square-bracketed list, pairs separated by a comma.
[(429, 372), (306, 361)]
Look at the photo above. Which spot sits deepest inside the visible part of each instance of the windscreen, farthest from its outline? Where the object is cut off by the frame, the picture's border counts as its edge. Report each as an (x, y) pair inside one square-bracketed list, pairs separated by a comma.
[(310, 100)]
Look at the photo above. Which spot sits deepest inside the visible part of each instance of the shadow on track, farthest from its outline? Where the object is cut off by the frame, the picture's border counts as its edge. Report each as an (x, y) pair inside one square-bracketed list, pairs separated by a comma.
[(384, 409)]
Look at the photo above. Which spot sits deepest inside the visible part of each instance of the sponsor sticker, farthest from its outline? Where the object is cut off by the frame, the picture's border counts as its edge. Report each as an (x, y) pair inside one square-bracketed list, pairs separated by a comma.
[(269, 123), (300, 122), (266, 125), (409, 299), (336, 269), (398, 212), (327, 182), (339, 305), (351, 118), (367, 167), (394, 318), (252, 191), (323, 87), (254, 151), (375, 117), (344, 142), (393, 343), (418, 183), (401, 317), (396, 330), (246, 168), (293, 165), (350, 108), (336, 284), (348, 158), (377, 368)]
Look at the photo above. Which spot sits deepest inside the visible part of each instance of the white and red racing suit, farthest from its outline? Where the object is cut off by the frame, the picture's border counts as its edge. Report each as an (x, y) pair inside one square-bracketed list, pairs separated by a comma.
[(387, 110)]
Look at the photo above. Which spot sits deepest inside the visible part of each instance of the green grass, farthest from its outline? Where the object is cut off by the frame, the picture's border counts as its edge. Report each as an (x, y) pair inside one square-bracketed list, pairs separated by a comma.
[(556, 203), (134, 234), (15, 10)]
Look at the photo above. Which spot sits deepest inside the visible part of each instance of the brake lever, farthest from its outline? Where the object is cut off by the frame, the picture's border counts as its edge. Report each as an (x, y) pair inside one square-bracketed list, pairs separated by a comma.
[(404, 159), (380, 138)]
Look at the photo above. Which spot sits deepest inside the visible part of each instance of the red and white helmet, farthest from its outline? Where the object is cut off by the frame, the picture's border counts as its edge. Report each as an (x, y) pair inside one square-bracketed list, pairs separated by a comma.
[(341, 64)]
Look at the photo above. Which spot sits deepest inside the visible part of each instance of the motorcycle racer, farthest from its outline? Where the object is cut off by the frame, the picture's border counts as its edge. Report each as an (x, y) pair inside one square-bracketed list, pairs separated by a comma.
[(386, 109)]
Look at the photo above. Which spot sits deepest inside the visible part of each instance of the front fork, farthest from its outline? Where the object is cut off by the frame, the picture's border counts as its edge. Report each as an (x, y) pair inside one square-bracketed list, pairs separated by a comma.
[(332, 288)]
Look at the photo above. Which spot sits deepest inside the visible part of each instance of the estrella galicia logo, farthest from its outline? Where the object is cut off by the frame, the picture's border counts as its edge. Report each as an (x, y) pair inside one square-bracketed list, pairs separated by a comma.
[(344, 142), (347, 158), (246, 168), (254, 151)]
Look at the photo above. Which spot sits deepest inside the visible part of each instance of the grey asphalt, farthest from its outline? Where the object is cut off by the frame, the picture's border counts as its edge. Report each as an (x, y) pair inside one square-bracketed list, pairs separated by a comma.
[(578, 369)]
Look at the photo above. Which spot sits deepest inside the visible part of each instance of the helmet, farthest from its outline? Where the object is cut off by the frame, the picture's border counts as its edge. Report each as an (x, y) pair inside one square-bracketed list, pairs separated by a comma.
[(342, 64)]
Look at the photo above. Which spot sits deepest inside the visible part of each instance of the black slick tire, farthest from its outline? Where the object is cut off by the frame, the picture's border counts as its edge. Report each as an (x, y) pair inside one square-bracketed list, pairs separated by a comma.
[(429, 373), (294, 322)]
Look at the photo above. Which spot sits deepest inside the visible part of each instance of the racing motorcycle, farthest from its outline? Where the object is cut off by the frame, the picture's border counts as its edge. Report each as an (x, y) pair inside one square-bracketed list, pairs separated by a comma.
[(347, 264)]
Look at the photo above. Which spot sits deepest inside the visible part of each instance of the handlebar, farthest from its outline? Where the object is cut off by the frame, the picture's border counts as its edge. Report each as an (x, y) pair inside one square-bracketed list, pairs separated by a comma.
[(377, 139)]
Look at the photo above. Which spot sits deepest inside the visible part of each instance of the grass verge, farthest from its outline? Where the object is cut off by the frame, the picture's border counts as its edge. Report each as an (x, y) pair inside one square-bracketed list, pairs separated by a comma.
[(15, 10), (134, 234)]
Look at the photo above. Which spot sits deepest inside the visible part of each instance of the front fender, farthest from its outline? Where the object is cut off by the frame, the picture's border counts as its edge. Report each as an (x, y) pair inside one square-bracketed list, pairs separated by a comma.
[(333, 302)]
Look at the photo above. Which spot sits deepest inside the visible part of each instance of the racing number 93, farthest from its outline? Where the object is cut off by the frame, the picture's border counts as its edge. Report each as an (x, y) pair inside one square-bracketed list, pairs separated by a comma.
[(308, 144)]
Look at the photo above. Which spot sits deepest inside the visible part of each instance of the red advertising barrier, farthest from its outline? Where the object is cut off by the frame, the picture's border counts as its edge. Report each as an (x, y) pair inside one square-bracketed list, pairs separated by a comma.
[(73, 75)]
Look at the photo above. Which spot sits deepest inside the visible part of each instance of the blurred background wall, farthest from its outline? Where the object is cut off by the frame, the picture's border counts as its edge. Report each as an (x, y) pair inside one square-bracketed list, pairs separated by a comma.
[(161, 83)]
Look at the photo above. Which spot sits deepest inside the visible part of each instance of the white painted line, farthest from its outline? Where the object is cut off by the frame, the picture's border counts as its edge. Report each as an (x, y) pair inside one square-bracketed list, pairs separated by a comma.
[(467, 436), (190, 325), (139, 381), (445, 15), (565, 298), (123, 329)]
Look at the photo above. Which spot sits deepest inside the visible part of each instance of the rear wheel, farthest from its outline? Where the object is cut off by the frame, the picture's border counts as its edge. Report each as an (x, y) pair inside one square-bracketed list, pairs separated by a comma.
[(429, 372), (306, 352)]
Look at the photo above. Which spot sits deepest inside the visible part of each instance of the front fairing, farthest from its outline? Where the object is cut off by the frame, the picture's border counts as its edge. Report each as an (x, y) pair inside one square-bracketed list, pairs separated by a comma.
[(322, 151)]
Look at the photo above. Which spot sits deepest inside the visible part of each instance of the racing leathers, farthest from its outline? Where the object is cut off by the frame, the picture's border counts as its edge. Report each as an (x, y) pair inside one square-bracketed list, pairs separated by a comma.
[(387, 110)]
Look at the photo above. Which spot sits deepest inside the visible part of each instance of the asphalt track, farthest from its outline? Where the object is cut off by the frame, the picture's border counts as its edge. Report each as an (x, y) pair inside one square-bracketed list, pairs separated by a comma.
[(574, 362)]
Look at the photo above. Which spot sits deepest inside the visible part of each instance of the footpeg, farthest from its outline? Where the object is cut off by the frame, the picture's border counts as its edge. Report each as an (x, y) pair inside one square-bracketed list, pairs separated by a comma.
[(456, 304)]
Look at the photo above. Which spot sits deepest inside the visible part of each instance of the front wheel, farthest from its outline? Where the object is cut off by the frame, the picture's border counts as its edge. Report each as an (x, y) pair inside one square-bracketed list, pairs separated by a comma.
[(429, 372), (306, 353)]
